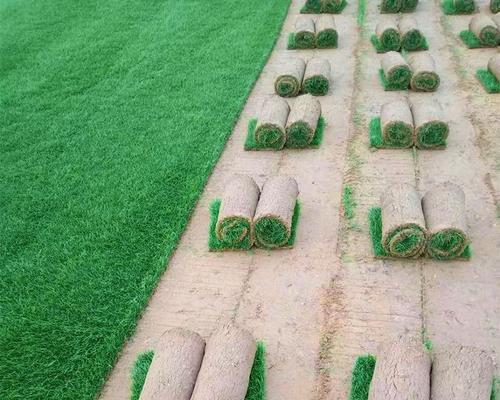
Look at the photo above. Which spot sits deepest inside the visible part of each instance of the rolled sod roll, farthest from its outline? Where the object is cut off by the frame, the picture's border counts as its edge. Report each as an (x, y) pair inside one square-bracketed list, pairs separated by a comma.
[(430, 129), (225, 370), (273, 218), (403, 223), (411, 37), (424, 76), (237, 209), (494, 66), (317, 77), (271, 128), (396, 122), (396, 70), (289, 77), (304, 32), (302, 121), (444, 210), (331, 6), (461, 373), (326, 32), (485, 29), (390, 6), (408, 5), (495, 6), (176, 362), (388, 35), (402, 371)]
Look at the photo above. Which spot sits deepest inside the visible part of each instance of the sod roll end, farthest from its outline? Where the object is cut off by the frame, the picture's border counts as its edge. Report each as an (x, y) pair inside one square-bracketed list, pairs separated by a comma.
[(403, 223), (317, 77), (485, 30), (388, 36), (273, 218), (411, 37), (331, 6), (397, 73), (238, 205), (396, 122), (326, 32), (494, 66), (174, 369), (303, 121), (289, 76), (390, 6), (305, 34), (431, 131), (424, 76), (444, 210), (495, 7), (270, 130)]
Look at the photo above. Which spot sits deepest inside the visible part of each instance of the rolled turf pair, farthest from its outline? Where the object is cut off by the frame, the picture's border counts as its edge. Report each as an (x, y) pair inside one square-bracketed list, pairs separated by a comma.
[(407, 227), (483, 32), (293, 77), (419, 73), (490, 77), (246, 216), (279, 126), (452, 7), (403, 125), (404, 36), (323, 6), (309, 35), (405, 369), (184, 367), (396, 6)]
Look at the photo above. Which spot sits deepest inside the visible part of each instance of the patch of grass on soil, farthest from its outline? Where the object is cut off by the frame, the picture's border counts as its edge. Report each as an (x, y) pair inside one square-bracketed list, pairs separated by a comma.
[(348, 202), (362, 375), (139, 373), (488, 80)]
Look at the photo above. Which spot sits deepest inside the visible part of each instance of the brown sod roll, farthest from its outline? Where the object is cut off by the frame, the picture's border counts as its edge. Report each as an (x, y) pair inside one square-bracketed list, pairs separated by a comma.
[(238, 205), (270, 131), (289, 76), (273, 217), (388, 36), (424, 76), (326, 32), (176, 362), (494, 66), (302, 121), (461, 373), (402, 371), (397, 124), (397, 73), (317, 77), (444, 210), (304, 32), (403, 223), (228, 360), (485, 29), (430, 129), (411, 37)]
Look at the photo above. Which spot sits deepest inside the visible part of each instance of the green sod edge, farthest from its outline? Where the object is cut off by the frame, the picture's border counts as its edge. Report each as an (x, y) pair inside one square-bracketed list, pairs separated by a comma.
[(256, 385), (450, 9), (375, 228), (424, 45), (215, 244), (292, 44), (390, 87), (489, 81), (250, 144), (362, 375), (314, 7), (472, 41)]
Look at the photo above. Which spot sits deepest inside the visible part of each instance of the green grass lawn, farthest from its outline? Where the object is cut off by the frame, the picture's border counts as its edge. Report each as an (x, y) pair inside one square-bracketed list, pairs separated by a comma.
[(113, 115)]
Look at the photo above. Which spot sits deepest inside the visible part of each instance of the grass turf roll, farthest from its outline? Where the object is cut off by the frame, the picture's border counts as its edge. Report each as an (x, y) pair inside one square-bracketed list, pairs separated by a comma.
[(289, 76), (270, 132), (490, 78), (451, 7), (302, 121), (390, 6), (411, 37), (495, 6), (408, 5), (395, 73), (275, 211), (237, 209), (485, 29), (305, 35), (317, 77), (387, 37), (424, 77), (444, 210), (332, 6), (403, 223), (431, 131), (326, 32), (396, 124), (311, 7)]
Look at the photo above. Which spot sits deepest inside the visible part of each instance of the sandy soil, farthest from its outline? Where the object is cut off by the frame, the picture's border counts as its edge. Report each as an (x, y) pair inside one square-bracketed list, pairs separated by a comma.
[(326, 301)]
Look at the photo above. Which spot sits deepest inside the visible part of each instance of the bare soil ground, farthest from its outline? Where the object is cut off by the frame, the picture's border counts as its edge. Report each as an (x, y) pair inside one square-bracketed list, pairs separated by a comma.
[(326, 301)]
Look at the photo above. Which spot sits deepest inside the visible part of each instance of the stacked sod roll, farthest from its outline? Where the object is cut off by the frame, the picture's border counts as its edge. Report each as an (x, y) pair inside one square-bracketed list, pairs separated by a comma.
[(444, 210), (227, 363), (303, 121), (238, 205), (326, 32), (403, 222), (461, 372), (396, 73), (430, 129), (274, 214), (317, 77), (289, 77), (495, 6), (174, 369), (485, 29), (424, 76), (270, 131), (411, 37), (402, 371), (388, 37), (396, 123), (305, 34)]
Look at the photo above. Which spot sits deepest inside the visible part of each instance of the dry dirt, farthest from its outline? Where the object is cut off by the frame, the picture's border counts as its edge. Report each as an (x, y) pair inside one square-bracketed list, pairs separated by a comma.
[(326, 301)]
